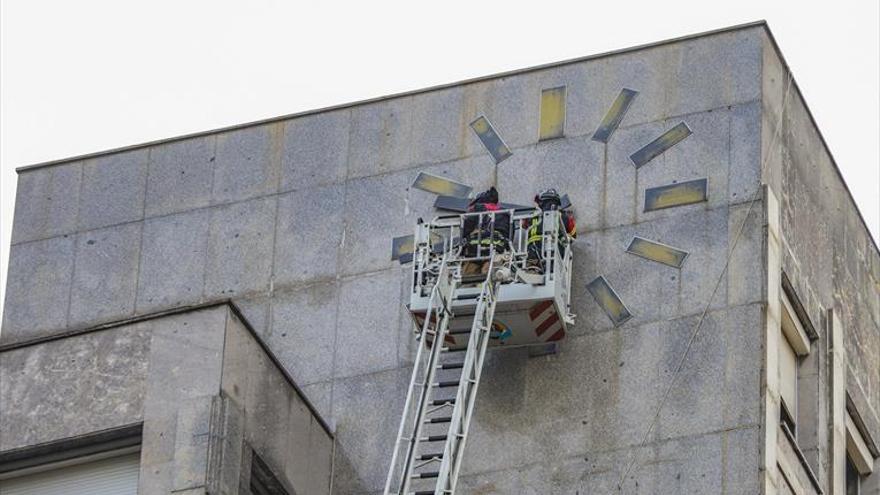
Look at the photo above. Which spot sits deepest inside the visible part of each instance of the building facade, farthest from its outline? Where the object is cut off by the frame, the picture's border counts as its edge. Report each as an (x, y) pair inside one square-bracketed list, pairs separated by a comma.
[(225, 304)]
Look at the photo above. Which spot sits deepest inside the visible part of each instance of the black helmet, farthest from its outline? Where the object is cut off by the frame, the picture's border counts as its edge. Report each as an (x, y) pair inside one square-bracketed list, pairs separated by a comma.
[(547, 197), (488, 196)]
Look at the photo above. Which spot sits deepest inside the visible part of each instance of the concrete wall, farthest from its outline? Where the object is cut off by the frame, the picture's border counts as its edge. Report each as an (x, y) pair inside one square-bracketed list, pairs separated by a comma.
[(293, 219), (205, 392), (831, 261)]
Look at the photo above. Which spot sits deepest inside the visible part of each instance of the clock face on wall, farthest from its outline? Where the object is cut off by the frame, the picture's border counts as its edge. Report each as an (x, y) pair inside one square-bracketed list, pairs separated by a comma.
[(453, 196)]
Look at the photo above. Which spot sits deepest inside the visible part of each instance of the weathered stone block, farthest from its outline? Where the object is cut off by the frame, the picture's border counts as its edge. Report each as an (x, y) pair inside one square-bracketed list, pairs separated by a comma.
[(744, 174), (512, 106), (310, 225), (371, 202), (38, 288), (315, 150), (367, 328), (439, 126), (380, 137), (368, 409), (191, 439), (113, 188), (695, 402), (46, 202), (172, 271), (304, 331), (714, 71), (743, 372), (248, 163), (180, 176), (745, 272), (186, 353), (240, 248), (49, 390), (105, 274)]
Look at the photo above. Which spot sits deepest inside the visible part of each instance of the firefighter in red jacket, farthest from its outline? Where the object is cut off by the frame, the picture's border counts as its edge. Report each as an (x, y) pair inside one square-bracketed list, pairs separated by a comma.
[(547, 200), (481, 234)]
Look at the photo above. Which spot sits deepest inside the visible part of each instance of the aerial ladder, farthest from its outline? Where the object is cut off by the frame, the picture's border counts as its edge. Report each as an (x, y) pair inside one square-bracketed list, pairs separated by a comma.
[(454, 314)]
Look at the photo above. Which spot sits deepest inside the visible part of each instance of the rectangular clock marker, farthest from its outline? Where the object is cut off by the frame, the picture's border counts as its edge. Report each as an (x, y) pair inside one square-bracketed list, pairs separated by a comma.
[(490, 139), (552, 113), (615, 115), (685, 193), (656, 251), (403, 249), (441, 185), (658, 146), (609, 301), (402, 245)]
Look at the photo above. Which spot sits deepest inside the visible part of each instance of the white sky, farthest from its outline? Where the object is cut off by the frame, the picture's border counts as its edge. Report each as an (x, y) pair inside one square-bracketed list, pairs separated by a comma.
[(85, 76)]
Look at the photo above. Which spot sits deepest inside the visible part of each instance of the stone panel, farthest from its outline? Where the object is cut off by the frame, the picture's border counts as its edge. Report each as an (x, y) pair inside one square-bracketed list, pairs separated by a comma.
[(46, 202), (315, 150), (38, 288), (714, 71), (248, 163), (181, 174), (744, 174), (439, 126), (172, 270), (367, 409), (309, 234), (380, 137), (72, 387), (240, 244), (113, 189), (304, 331), (367, 328), (105, 274)]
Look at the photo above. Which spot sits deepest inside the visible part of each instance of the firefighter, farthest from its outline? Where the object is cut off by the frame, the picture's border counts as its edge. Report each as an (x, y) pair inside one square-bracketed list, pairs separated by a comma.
[(547, 200), (481, 233)]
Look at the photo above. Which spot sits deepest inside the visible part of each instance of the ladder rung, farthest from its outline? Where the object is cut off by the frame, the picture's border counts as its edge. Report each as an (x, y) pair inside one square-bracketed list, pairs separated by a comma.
[(440, 402), (423, 492), (438, 420), (446, 384), (431, 474), (434, 438), (451, 366), (428, 457), (465, 297)]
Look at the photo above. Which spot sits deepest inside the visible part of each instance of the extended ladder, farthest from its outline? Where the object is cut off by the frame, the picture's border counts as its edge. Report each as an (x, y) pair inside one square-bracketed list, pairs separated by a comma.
[(423, 468)]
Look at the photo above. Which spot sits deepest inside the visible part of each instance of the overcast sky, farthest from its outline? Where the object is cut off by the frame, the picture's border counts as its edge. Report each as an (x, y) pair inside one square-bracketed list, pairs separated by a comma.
[(84, 76)]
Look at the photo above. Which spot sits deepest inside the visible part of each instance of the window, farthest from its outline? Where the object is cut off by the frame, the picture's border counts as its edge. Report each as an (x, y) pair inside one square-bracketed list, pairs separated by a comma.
[(853, 478), (793, 344), (263, 480), (788, 365), (116, 475), (859, 460)]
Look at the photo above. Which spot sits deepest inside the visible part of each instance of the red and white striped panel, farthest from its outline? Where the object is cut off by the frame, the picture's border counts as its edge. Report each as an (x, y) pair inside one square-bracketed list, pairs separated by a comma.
[(546, 322)]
